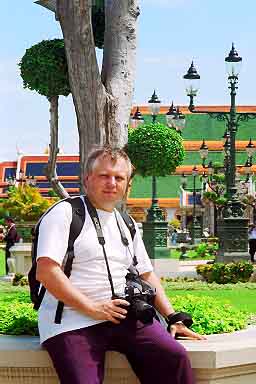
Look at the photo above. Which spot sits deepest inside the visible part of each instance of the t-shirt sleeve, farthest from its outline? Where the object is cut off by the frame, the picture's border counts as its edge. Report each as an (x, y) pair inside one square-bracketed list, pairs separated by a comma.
[(54, 233), (144, 264)]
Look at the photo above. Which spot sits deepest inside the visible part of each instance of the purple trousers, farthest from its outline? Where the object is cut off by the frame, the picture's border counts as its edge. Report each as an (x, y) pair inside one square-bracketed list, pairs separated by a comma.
[(155, 356)]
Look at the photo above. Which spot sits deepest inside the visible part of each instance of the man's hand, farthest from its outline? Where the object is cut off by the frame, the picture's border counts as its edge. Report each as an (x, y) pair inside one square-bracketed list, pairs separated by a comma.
[(110, 310), (181, 330)]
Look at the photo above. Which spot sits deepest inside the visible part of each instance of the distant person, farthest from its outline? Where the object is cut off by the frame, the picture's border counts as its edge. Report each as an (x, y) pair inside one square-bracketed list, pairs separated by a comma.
[(174, 237), (11, 237), (252, 241)]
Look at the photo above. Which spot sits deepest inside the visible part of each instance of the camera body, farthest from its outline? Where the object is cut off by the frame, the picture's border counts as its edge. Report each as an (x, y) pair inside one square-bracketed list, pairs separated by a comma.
[(141, 296)]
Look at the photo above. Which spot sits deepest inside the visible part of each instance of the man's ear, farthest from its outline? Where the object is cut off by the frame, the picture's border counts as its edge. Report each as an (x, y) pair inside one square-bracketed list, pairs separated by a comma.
[(85, 181)]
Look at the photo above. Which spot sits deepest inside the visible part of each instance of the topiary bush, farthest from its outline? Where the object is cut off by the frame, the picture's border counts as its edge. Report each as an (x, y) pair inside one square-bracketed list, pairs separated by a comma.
[(210, 315), (226, 273), (44, 68), (155, 149)]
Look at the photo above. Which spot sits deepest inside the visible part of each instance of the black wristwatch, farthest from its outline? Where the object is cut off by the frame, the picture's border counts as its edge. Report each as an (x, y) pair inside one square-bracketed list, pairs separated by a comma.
[(176, 317)]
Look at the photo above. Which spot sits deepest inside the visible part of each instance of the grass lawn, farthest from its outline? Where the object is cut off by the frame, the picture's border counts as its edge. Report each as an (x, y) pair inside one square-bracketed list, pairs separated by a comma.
[(241, 295), (2, 262)]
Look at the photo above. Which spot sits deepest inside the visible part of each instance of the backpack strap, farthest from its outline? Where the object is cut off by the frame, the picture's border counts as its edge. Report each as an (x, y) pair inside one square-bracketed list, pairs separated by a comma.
[(129, 223), (78, 219)]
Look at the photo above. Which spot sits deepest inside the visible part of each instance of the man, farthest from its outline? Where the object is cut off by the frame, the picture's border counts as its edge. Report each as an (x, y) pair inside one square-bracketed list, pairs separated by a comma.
[(92, 322), (11, 237), (252, 241)]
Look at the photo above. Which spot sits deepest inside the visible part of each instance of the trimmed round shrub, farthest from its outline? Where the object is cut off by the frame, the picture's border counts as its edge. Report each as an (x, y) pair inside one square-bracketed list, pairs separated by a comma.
[(155, 149), (210, 315)]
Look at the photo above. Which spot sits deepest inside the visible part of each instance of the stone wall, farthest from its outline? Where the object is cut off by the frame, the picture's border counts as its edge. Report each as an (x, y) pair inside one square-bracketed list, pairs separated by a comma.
[(221, 359)]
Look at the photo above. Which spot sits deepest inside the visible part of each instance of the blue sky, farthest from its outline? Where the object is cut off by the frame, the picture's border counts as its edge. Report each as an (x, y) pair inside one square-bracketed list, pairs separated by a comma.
[(171, 34)]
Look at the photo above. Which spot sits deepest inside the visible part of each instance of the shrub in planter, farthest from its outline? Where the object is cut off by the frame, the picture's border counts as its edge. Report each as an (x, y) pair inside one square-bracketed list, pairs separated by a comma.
[(226, 273), (206, 250), (20, 279), (210, 315)]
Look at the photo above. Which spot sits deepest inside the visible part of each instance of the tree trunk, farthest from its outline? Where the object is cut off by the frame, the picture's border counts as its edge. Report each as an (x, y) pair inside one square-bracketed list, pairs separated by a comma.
[(102, 116), (87, 90), (50, 170), (118, 70)]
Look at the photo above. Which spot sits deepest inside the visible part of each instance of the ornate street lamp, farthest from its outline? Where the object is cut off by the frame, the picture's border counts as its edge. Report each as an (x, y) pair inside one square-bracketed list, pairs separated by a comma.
[(175, 118), (155, 213), (136, 119), (203, 151), (154, 105), (232, 226), (196, 228)]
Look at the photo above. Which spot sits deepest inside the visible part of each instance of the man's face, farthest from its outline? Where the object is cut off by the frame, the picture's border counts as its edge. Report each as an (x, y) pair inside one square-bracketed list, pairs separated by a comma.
[(106, 184)]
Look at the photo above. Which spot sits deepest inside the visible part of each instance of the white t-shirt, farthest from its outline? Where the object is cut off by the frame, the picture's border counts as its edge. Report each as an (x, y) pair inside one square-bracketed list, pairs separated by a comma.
[(89, 272)]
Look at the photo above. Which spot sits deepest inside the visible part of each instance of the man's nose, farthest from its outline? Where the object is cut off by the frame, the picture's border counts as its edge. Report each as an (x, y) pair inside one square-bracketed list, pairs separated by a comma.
[(112, 180)]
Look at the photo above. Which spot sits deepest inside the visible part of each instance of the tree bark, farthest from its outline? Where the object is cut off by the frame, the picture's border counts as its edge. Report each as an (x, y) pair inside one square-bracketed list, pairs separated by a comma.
[(88, 93), (50, 170), (118, 70), (102, 102)]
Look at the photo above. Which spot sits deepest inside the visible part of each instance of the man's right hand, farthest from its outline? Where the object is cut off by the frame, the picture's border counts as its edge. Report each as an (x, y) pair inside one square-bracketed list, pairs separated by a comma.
[(111, 310)]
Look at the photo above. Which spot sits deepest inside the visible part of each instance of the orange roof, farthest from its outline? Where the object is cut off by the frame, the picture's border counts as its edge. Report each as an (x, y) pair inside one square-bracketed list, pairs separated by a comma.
[(146, 202), (144, 109), (212, 145)]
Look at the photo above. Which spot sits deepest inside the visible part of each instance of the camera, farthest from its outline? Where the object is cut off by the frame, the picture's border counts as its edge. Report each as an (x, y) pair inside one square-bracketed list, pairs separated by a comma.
[(141, 296)]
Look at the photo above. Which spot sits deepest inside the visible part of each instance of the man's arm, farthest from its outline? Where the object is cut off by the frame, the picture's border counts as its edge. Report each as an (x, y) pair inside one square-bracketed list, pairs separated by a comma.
[(161, 303), (56, 282), (164, 307)]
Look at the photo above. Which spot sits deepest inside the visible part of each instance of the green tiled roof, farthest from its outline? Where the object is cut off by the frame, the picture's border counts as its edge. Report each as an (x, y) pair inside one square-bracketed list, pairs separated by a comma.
[(193, 157), (197, 127), (167, 187), (201, 126)]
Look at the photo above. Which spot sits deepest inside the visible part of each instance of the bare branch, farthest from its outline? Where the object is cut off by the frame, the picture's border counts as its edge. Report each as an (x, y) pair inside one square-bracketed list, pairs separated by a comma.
[(50, 169)]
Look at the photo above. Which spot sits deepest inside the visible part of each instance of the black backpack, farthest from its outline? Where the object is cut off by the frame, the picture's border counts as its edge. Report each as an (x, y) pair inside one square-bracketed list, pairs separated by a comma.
[(37, 291)]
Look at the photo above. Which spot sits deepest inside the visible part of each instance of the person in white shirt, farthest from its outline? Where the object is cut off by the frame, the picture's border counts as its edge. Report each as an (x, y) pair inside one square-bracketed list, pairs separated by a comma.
[(252, 241), (93, 322)]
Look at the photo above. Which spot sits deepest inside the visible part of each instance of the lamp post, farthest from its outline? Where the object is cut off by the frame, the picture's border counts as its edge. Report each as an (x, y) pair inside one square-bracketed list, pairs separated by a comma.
[(155, 213), (175, 119), (155, 227), (196, 231), (232, 225), (196, 228), (137, 119)]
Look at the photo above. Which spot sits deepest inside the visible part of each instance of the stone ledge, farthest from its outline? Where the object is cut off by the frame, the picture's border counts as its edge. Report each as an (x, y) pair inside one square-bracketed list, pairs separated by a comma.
[(221, 359)]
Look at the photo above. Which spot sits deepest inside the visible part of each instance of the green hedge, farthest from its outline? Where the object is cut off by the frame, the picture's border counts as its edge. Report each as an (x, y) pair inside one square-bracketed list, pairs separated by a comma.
[(211, 315), (226, 273)]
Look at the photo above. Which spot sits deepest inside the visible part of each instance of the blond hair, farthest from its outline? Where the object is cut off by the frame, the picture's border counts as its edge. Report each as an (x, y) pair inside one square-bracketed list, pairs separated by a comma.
[(108, 151)]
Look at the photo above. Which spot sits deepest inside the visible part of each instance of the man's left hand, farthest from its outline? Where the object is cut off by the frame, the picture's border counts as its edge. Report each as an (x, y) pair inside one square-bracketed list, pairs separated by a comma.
[(181, 330)]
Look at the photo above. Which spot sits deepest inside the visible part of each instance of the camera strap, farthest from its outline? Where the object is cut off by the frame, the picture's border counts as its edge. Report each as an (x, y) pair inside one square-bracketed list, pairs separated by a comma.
[(95, 219)]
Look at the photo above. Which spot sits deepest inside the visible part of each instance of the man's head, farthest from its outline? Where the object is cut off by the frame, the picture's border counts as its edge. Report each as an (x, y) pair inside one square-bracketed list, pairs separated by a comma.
[(107, 177)]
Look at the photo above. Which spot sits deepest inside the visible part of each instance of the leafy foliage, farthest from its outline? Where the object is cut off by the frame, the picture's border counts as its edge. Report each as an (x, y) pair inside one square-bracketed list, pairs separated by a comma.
[(206, 250), (225, 273), (211, 315), (18, 318), (44, 68), (25, 203), (155, 149), (20, 279)]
